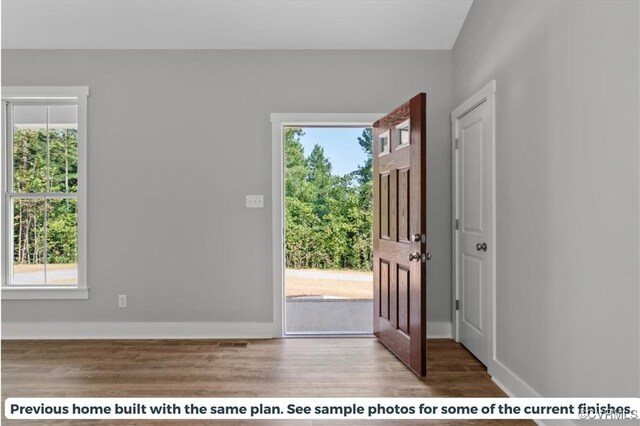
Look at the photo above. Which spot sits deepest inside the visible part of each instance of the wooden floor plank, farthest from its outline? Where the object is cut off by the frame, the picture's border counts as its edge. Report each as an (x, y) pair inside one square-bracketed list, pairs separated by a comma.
[(319, 367)]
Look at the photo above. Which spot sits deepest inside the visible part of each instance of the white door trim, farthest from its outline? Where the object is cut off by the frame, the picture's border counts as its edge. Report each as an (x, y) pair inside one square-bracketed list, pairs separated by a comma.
[(278, 122), (484, 95)]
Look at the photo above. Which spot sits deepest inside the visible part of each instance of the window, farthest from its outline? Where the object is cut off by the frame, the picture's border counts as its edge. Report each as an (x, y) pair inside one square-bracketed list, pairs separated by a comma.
[(44, 193), (385, 146), (403, 134)]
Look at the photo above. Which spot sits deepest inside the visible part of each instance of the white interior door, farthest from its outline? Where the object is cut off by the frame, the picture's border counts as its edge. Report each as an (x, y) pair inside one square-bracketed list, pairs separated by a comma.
[(475, 246)]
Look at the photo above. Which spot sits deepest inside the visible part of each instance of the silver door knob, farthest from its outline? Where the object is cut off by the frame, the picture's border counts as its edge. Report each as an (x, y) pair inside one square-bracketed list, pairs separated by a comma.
[(481, 247), (413, 256), (416, 237), (426, 256)]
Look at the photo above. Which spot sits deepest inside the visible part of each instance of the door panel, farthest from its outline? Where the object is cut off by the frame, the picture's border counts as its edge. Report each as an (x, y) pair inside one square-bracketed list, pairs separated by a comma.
[(474, 196), (404, 278), (384, 206), (399, 198), (384, 289), (471, 168), (403, 205), (472, 291)]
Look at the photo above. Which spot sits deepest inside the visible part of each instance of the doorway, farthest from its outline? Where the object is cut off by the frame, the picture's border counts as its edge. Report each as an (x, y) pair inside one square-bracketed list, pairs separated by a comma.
[(474, 241), (323, 281), (395, 145), (397, 151), (328, 220)]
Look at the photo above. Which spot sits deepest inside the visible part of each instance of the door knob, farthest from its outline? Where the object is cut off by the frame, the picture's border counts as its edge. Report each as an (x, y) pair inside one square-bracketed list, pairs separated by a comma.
[(481, 247), (416, 237), (415, 256), (426, 256)]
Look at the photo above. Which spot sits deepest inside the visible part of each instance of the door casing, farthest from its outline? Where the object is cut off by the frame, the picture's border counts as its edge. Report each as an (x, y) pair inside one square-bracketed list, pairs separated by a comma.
[(278, 122), (484, 95)]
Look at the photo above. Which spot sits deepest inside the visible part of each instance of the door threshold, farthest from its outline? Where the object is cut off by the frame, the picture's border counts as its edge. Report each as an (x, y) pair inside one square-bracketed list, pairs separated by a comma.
[(322, 335)]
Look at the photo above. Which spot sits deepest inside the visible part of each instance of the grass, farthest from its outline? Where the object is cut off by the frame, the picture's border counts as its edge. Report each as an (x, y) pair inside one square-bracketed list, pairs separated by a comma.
[(296, 286)]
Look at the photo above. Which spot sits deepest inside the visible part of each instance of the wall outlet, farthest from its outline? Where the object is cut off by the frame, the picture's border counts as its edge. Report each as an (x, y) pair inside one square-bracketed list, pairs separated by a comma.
[(122, 301), (255, 201)]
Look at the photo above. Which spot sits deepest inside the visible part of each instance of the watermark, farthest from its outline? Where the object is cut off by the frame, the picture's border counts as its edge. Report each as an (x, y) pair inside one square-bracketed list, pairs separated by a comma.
[(607, 412), (322, 408)]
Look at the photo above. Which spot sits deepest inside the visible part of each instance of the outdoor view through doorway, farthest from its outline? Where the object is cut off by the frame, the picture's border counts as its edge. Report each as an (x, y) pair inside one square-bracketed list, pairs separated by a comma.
[(328, 225)]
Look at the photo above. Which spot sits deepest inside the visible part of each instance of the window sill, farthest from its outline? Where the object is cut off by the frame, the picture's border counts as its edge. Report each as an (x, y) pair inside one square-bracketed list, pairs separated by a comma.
[(44, 293)]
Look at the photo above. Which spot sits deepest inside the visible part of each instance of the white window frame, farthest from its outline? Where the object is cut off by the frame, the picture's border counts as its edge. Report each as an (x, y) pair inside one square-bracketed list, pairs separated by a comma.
[(70, 94), (386, 135)]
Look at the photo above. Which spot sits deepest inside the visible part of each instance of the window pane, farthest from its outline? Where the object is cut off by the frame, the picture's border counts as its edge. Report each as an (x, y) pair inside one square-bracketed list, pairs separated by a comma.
[(62, 241), (63, 148), (404, 136), (63, 116), (28, 241), (384, 143), (63, 160), (29, 148)]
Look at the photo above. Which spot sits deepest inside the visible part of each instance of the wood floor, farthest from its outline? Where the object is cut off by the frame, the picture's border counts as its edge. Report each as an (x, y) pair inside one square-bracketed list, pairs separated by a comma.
[(346, 367)]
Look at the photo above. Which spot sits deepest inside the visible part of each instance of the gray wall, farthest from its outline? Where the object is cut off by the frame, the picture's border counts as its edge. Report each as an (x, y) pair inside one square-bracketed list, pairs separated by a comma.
[(178, 138), (567, 187)]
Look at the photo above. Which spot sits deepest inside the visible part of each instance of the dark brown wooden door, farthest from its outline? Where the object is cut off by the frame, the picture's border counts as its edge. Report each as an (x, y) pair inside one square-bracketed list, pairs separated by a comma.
[(399, 232)]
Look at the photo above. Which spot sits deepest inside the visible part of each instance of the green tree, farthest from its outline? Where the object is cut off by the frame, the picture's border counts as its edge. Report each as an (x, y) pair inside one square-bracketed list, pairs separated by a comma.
[(328, 217), (319, 168), (365, 141), (36, 169), (365, 171), (320, 181), (295, 164)]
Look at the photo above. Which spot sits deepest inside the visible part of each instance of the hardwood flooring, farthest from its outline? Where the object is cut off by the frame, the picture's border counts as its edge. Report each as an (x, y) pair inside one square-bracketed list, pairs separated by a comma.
[(322, 367)]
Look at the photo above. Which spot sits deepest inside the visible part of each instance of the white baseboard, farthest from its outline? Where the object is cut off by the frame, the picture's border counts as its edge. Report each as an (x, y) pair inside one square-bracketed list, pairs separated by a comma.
[(137, 330), (438, 330), (510, 383), (515, 387), (558, 422), (162, 330)]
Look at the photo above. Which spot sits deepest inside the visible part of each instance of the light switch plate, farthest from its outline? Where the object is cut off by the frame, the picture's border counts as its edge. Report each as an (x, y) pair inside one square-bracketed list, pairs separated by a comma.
[(255, 201)]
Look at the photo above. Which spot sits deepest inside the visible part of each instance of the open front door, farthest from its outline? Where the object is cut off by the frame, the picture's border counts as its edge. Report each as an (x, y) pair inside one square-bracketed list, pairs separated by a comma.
[(399, 233)]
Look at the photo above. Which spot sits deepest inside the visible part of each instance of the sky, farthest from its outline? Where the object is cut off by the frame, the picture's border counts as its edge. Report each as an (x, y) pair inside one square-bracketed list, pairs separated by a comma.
[(340, 145)]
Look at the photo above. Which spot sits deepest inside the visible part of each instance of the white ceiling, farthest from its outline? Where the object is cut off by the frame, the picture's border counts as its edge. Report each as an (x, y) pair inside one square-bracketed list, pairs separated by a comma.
[(224, 24)]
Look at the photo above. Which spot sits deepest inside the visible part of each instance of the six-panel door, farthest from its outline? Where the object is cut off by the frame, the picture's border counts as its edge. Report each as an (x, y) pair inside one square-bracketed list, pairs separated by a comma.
[(399, 171)]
